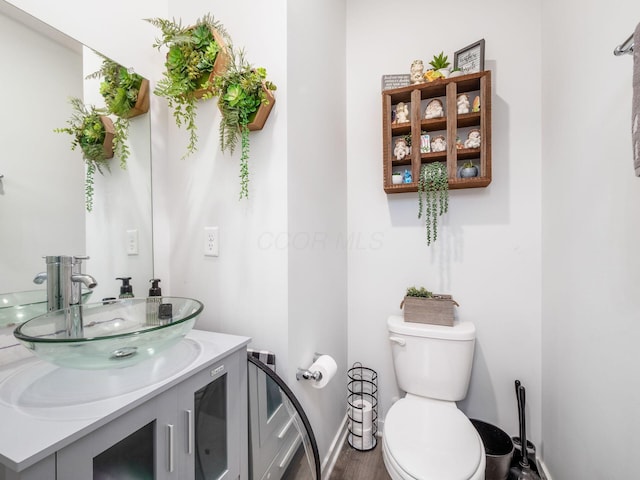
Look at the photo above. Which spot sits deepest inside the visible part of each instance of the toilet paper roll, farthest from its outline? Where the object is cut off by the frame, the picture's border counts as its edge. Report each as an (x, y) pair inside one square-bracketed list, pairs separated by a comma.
[(364, 442), (362, 415), (327, 366)]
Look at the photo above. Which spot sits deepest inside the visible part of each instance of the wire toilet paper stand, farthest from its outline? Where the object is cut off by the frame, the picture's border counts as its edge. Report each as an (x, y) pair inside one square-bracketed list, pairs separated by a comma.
[(362, 409)]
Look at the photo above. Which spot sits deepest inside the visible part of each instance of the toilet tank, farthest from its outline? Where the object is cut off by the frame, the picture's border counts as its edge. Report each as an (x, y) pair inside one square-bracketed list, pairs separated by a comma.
[(432, 361)]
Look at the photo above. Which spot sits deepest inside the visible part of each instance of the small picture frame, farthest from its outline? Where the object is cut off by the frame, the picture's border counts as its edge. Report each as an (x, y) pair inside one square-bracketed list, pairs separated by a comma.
[(470, 59)]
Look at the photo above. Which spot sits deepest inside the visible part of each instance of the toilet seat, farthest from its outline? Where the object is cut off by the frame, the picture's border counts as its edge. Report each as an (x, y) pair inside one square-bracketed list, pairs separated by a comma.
[(426, 439)]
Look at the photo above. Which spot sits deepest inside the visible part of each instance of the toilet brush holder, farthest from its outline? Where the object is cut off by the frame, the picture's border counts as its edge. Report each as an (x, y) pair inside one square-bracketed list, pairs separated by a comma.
[(362, 409)]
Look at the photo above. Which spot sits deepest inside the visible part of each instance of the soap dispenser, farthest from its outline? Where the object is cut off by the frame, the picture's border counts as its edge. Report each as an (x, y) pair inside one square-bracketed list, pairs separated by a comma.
[(126, 290), (153, 302)]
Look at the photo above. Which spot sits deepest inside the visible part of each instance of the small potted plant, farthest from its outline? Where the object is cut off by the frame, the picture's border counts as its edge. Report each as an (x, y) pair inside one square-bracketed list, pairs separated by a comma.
[(245, 100), (440, 67), (93, 131), (196, 55), (433, 196), (422, 306), (396, 178), (468, 170)]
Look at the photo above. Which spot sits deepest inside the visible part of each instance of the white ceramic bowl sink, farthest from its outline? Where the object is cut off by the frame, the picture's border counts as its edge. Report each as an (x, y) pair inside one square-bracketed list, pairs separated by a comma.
[(114, 334)]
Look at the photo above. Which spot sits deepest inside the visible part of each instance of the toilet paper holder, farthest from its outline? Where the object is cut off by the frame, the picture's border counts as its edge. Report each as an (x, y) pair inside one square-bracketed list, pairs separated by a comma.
[(306, 374)]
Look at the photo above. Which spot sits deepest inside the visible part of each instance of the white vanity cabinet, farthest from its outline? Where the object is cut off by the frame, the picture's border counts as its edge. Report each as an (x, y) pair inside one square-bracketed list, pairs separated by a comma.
[(191, 425)]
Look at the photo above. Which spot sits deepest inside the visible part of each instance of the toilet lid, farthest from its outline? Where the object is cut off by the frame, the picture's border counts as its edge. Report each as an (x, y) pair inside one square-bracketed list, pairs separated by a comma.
[(432, 440)]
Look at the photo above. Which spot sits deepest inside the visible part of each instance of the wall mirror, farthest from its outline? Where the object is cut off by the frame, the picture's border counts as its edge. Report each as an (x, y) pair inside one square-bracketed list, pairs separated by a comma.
[(282, 445), (42, 189)]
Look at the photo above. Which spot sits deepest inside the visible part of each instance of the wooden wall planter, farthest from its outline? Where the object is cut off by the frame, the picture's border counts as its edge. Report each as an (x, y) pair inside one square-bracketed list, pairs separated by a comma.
[(263, 111), (142, 102), (219, 66), (110, 131)]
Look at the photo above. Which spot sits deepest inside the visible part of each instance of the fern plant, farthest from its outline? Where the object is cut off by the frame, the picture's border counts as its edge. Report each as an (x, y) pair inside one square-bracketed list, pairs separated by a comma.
[(433, 196), (87, 129), (193, 51), (240, 91)]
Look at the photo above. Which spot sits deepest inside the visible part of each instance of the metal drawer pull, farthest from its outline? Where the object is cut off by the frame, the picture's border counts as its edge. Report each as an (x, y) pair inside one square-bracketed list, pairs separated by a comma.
[(170, 438), (189, 432)]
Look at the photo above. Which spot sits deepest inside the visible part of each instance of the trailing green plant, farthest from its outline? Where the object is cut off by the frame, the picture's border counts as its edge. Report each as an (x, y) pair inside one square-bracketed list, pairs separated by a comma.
[(240, 91), (433, 196), (419, 292), (88, 132), (439, 61), (192, 53)]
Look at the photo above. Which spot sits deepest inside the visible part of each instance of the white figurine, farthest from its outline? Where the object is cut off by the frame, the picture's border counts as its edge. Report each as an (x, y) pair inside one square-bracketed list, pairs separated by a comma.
[(463, 103), (438, 144), (401, 150), (434, 109), (473, 139), (417, 72), (402, 113)]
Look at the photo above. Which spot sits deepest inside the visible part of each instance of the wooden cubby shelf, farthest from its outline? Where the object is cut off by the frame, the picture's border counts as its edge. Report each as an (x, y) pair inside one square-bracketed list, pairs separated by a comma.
[(452, 126)]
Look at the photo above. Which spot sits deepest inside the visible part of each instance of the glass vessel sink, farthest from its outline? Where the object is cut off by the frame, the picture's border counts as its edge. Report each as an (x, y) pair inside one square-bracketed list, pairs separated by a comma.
[(18, 307), (109, 334)]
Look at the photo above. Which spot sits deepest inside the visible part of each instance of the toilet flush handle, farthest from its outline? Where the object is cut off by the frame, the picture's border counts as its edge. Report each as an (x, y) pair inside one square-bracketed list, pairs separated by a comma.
[(398, 340)]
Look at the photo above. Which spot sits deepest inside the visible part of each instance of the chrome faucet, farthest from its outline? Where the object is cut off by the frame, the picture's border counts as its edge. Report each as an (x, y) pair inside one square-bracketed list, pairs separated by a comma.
[(64, 278)]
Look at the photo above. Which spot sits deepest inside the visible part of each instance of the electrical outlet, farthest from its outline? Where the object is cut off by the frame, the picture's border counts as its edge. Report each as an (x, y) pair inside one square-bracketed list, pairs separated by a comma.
[(211, 242), (132, 242)]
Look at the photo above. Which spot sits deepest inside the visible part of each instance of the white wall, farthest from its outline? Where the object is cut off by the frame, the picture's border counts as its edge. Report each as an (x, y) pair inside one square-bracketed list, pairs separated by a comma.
[(488, 255), (290, 298), (317, 189), (591, 231)]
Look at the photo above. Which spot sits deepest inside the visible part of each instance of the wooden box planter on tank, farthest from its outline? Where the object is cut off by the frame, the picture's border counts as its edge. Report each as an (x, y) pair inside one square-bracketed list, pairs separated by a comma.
[(437, 310)]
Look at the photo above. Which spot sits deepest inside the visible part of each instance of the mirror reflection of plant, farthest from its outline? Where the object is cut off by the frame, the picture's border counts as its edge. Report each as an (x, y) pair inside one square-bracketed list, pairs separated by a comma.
[(192, 53), (119, 86), (240, 91), (433, 196), (88, 132)]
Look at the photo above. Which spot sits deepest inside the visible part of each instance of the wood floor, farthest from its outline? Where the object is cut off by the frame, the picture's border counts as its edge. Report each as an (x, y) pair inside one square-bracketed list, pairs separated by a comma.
[(353, 464)]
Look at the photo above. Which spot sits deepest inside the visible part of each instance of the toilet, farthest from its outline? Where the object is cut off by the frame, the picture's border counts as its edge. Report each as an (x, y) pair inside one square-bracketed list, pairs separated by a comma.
[(426, 436)]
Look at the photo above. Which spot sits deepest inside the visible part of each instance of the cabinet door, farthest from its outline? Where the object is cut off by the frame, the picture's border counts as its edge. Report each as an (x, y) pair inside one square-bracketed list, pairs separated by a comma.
[(213, 406), (137, 445)]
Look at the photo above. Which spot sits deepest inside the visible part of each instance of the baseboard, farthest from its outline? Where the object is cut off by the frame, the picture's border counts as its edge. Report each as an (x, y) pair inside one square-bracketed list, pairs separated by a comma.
[(545, 471), (334, 450)]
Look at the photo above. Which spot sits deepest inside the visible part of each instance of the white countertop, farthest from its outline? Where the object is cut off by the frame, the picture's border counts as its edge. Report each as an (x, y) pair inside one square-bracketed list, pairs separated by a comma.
[(44, 407)]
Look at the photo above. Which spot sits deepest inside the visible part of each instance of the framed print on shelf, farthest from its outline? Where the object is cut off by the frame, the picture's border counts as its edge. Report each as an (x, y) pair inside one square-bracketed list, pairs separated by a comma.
[(470, 59)]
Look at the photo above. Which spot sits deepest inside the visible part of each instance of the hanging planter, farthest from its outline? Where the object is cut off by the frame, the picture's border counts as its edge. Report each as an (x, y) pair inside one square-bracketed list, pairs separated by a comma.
[(245, 100), (197, 54), (125, 93), (98, 138), (259, 118), (219, 65), (142, 101), (109, 135)]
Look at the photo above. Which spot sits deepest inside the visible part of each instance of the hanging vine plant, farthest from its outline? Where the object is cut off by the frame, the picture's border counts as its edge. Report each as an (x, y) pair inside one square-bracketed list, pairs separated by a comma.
[(94, 132), (433, 196), (245, 100), (196, 54)]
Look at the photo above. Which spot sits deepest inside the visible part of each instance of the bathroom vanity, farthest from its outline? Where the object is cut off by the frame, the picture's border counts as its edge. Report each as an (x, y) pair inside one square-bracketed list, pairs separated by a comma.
[(180, 415)]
